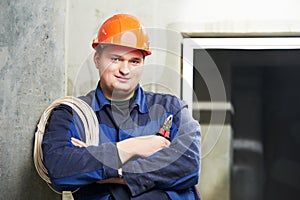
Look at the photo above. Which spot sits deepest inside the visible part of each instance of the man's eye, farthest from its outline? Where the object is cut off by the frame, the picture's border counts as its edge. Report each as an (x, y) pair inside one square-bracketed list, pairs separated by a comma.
[(135, 62), (114, 59)]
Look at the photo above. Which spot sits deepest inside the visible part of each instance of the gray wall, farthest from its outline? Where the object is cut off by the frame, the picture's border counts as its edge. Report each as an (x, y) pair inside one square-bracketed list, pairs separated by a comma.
[(32, 74)]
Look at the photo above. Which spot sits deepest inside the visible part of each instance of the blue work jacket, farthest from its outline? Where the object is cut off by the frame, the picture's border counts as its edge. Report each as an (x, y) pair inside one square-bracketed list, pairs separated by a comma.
[(174, 170)]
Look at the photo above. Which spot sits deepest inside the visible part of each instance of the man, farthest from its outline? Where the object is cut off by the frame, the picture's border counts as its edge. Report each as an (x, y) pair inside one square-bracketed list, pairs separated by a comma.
[(131, 161)]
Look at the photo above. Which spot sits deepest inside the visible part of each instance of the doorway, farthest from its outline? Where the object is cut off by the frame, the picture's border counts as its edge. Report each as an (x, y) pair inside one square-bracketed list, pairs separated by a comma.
[(264, 92), (262, 82)]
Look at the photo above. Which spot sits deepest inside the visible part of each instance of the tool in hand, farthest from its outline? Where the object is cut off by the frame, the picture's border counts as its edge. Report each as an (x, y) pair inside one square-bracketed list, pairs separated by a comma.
[(164, 131)]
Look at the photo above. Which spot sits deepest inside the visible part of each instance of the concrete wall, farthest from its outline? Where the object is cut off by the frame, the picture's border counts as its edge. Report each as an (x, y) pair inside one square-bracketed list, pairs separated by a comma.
[(214, 183), (32, 74)]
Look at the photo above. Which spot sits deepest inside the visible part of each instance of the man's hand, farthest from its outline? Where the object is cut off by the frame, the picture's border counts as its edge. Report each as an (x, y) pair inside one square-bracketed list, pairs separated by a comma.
[(142, 146), (78, 143), (112, 180)]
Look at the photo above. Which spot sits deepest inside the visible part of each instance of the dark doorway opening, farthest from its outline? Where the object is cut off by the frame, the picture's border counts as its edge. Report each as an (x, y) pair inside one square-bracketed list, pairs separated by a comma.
[(264, 88)]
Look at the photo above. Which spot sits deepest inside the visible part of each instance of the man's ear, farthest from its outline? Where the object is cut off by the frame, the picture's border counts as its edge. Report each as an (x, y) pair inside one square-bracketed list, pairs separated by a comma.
[(97, 59)]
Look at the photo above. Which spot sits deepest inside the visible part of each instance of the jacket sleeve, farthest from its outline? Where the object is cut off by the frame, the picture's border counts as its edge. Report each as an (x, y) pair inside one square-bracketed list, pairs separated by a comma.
[(174, 168), (68, 166)]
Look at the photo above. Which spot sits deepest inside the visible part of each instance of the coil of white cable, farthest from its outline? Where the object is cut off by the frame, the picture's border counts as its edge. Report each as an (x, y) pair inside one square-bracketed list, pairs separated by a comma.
[(85, 114)]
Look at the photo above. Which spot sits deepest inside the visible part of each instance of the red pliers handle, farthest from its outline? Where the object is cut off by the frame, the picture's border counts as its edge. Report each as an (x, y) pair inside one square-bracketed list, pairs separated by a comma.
[(164, 131)]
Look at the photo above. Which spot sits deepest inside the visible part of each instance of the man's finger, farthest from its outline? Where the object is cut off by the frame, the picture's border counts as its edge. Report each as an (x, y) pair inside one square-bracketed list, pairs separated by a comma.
[(78, 143)]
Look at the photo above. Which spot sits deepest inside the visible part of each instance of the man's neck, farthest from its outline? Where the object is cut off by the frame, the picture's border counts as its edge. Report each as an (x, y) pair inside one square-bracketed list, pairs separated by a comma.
[(122, 100)]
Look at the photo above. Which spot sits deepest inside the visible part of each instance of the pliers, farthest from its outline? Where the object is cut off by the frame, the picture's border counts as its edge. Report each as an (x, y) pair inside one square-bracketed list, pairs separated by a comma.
[(164, 131)]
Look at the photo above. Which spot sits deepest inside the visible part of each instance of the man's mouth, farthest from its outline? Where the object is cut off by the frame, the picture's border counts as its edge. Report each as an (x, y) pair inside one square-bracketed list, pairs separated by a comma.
[(122, 79)]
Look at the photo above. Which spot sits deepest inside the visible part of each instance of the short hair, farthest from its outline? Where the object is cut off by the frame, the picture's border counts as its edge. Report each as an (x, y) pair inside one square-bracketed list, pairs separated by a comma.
[(101, 47)]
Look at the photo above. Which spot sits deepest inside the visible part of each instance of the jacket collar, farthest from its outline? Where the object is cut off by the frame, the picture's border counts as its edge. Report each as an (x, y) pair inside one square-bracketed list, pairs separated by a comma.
[(99, 100)]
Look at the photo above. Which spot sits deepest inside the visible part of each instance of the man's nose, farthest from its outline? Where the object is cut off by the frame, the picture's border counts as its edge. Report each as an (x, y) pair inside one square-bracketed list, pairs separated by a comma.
[(124, 68)]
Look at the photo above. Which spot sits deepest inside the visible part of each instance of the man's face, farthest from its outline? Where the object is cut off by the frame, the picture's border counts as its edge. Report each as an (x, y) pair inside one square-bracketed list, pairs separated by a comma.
[(120, 70)]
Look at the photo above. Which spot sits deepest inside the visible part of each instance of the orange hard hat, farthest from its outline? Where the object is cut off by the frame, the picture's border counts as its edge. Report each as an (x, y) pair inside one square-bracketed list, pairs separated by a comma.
[(124, 30)]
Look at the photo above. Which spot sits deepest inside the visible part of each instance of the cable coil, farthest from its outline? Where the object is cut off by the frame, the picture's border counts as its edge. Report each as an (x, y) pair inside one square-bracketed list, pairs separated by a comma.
[(85, 114)]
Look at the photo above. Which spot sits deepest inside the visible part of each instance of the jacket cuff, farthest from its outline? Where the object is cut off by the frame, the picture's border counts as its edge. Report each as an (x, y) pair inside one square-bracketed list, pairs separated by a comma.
[(136, 182)]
